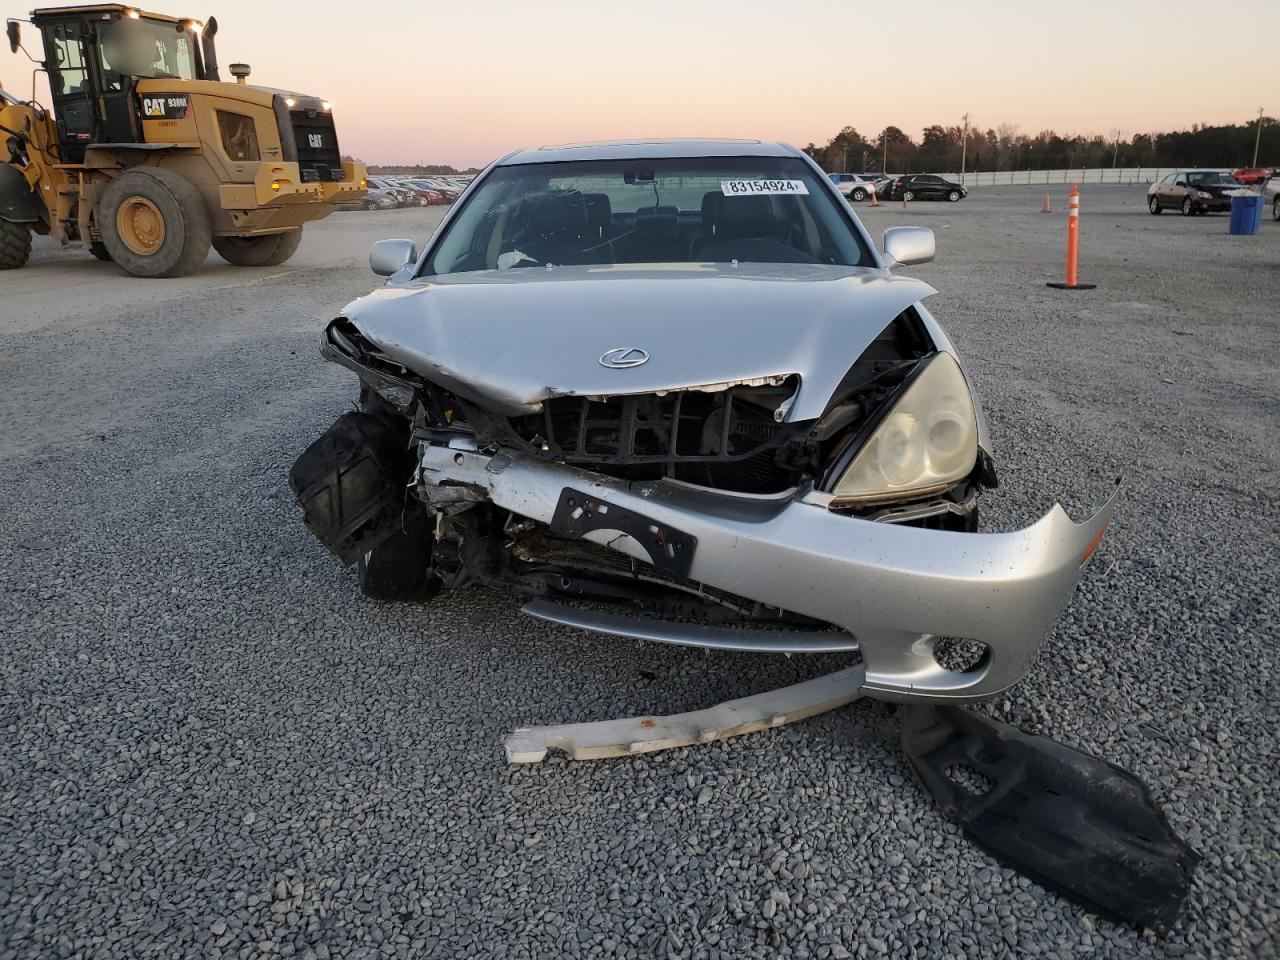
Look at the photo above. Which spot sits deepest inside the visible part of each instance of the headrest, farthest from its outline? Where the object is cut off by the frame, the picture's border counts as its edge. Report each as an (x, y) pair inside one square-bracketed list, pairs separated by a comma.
[(545, 215), (660, 224), (599, 211), (745, 217), (710, 203)]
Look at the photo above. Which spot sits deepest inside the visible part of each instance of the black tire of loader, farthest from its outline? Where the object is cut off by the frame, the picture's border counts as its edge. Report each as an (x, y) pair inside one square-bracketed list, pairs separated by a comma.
[(99, 250), (270, 250), (15, 245), (186, 223), (396, 569)]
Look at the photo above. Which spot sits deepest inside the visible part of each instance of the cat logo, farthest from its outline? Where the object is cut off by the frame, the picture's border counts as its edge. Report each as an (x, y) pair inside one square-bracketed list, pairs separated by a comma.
[(164, 108), (315, 141)]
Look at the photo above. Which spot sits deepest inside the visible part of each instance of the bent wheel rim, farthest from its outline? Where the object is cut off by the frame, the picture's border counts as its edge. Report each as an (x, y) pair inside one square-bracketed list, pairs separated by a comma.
[(140, 225)]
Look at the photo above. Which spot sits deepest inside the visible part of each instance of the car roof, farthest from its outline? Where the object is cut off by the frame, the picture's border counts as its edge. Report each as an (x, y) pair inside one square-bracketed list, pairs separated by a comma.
[(648, 150)]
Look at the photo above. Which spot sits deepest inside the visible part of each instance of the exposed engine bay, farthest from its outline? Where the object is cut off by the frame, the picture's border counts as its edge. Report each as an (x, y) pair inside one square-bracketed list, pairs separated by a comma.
[(725, 437)]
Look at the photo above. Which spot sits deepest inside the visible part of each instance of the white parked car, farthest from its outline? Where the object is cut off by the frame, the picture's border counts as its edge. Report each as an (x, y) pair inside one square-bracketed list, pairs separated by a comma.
[(1271, 195), (854, 186)]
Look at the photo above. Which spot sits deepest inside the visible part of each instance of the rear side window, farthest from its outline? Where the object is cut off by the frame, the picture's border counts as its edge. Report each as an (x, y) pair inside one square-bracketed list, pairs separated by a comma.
[(239, 136)]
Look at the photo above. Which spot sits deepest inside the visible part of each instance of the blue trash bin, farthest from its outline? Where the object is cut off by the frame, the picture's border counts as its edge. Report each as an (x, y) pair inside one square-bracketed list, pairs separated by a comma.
[(1246, 215)]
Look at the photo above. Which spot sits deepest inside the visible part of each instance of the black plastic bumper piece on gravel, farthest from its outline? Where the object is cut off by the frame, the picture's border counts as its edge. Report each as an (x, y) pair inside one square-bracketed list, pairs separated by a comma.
[(1075, 824), (352, 484)]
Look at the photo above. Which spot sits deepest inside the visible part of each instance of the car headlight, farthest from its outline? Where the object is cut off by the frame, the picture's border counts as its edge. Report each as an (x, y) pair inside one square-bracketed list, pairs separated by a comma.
[(927, 442), (1203, 195)]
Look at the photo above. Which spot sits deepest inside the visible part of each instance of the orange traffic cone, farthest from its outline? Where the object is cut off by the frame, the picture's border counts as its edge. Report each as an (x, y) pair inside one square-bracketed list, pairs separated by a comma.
[(1073, 244), (1045, 208), (904, 201), (875, 200)]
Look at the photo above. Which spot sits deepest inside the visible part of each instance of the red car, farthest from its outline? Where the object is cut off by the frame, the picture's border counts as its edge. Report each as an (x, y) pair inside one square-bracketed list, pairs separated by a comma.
[(1250, 175)]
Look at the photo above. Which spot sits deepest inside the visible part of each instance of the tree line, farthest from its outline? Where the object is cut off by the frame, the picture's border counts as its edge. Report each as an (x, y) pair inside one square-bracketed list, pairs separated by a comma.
[(412, 169), (419, 169), (1004, 148)]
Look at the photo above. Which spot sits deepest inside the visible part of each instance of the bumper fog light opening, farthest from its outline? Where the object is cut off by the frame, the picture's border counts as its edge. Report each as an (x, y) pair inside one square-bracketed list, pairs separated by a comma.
[(960, 655)]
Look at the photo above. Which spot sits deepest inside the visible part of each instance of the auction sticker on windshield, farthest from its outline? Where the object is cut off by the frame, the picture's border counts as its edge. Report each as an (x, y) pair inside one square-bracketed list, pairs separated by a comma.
[(746, 187)]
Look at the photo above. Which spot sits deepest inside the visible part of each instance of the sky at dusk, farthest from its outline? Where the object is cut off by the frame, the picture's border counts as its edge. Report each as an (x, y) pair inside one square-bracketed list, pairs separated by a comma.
[(463, 83)]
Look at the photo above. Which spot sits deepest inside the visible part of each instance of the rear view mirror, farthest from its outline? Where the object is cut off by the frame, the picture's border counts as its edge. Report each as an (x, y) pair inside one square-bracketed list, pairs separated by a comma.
[(391, 256), (909, 245), (15, 36)]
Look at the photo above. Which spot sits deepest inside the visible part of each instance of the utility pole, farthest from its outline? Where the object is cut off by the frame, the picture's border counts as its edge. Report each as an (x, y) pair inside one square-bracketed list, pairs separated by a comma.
[(1257, 139), (964, 144), (1116, 155), (884, 168), (844, 164)]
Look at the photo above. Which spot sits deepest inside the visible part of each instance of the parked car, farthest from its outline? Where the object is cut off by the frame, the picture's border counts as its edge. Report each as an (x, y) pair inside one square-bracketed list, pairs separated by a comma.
[(423, 196), (436, 194), (1192, 192), (923, 186), (375, 198), (1271, 194), (446, 186), (1250, 175), (404, 196), (854, 186), (777, 451)]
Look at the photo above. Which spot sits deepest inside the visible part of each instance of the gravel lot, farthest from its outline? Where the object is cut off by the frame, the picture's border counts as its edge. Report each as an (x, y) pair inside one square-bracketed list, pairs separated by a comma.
[(211, 746)]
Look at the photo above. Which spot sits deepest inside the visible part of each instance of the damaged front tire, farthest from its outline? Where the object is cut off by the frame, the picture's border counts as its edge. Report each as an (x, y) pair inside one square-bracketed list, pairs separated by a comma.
[(397, 569)]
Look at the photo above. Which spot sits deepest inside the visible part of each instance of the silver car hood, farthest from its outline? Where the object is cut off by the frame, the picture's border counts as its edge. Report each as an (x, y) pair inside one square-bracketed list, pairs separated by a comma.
[(510, 339)]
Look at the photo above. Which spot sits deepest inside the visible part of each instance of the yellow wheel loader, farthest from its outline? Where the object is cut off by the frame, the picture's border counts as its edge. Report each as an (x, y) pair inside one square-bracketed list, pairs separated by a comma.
[(146, 158)]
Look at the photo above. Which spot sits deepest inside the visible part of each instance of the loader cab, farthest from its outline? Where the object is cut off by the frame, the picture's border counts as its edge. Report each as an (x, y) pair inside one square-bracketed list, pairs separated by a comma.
[(95, 55)]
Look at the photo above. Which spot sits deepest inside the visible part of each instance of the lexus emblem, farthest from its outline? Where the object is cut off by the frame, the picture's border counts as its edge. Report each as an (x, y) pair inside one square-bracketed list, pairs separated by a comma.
[(619, 358)]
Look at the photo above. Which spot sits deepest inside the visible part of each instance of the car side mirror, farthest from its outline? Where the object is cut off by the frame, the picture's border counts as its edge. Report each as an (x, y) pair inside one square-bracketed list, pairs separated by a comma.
[(909, 245), (391, 256), (15, 35)]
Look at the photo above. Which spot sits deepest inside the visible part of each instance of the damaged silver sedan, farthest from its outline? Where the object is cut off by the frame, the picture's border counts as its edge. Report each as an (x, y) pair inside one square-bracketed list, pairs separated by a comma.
[(672, 391)]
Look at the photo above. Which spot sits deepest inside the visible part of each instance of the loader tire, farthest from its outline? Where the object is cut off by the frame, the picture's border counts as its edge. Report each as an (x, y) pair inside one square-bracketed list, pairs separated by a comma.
[(265, 251), (15, 245), (99, 250), (154, 223)]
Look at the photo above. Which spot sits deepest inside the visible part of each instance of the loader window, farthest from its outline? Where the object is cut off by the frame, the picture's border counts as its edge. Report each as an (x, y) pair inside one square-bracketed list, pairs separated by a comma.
[(148, 50), (72, 74), (239, 136), (71, 83)]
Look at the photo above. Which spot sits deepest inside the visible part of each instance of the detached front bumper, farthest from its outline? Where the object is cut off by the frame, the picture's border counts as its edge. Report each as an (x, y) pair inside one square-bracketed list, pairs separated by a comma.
[(894, 589)]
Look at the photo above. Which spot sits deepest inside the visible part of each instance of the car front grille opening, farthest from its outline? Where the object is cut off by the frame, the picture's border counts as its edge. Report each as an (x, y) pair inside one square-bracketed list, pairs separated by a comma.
[(729, 439)]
